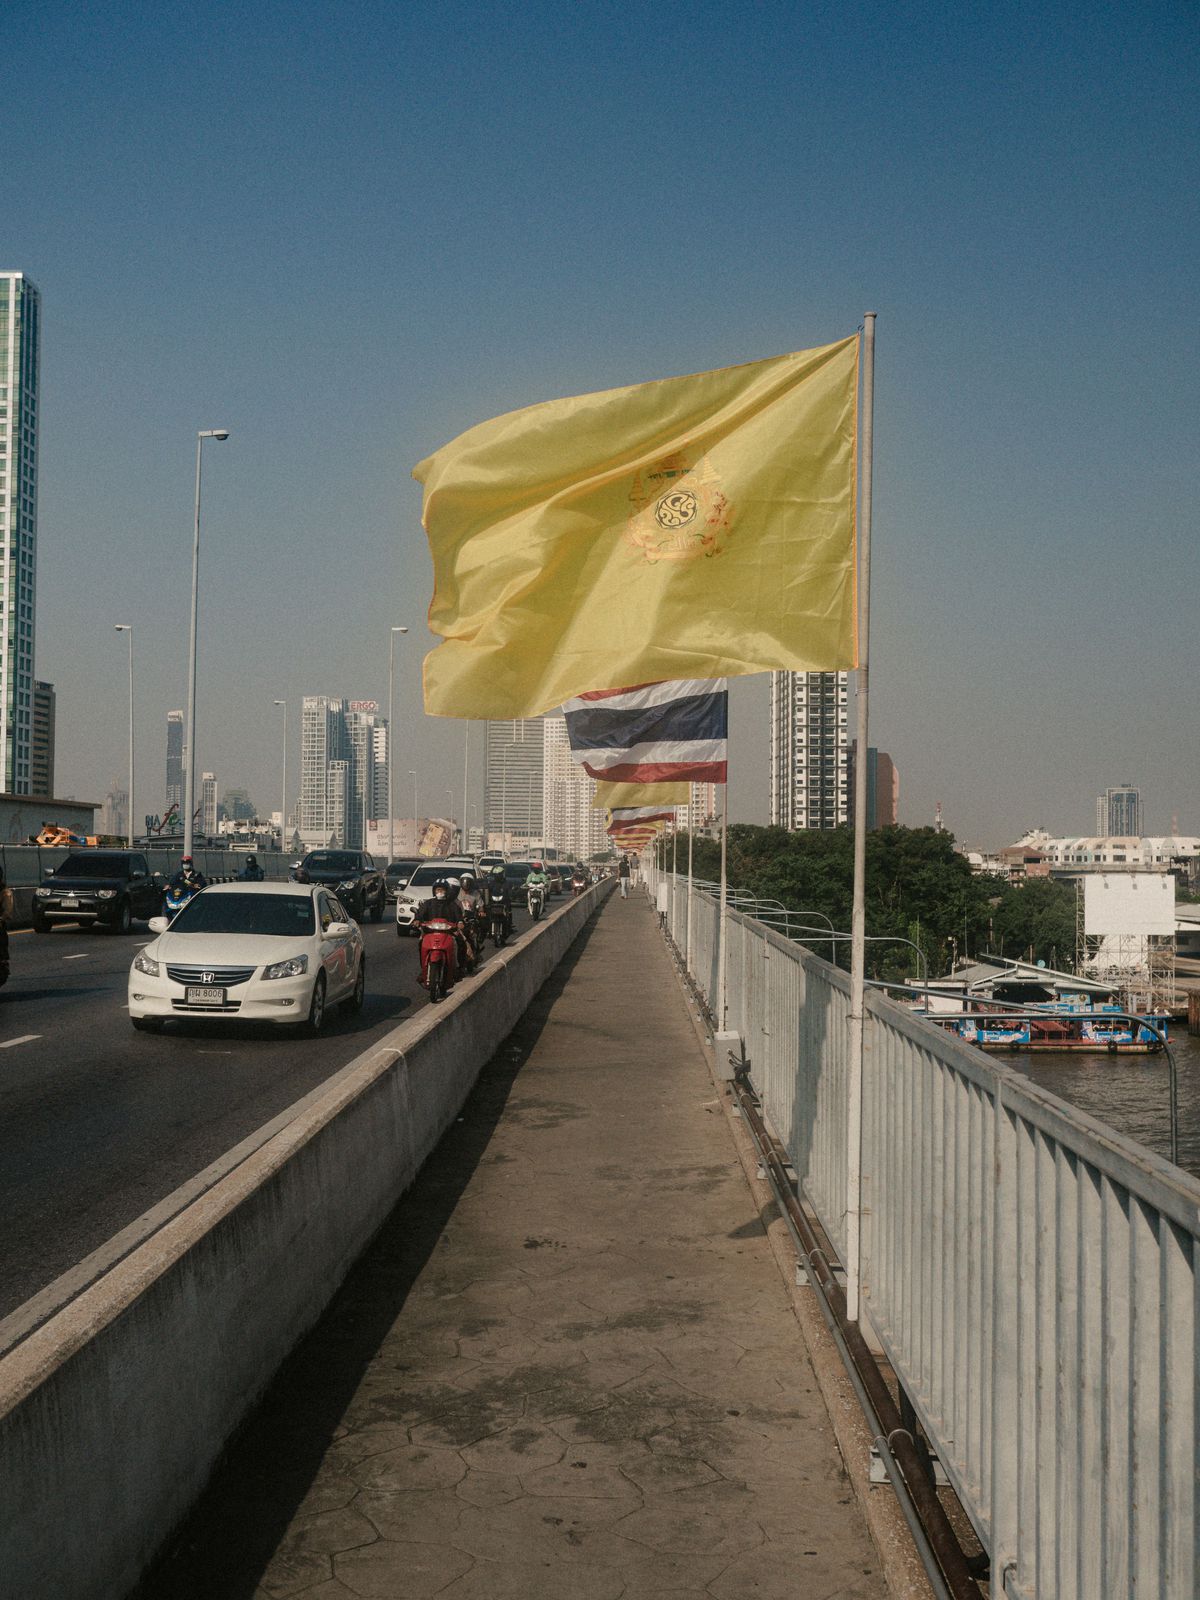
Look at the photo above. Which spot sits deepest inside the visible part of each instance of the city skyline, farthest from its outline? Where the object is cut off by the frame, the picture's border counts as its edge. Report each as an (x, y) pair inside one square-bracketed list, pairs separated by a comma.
[(1032, 416)]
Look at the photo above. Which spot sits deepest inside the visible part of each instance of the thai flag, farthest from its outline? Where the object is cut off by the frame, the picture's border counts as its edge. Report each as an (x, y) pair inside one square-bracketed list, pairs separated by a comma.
[(653, 732)]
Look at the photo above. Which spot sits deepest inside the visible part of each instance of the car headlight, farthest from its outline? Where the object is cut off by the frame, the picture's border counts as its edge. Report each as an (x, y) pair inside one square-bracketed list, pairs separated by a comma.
[(296, 967), (143, 963), (348, 887), (105, 894), (45, 892)]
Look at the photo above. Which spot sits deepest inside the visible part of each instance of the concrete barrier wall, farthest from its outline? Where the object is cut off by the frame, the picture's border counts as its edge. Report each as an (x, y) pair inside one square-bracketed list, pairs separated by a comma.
[(113, 1413)]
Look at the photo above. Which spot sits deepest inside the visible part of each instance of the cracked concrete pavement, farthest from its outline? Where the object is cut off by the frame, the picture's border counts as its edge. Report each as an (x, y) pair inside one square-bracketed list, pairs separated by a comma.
[(567, 1366)]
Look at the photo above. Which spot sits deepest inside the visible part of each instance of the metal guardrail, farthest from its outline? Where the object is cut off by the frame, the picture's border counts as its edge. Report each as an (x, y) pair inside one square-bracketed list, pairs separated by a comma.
[(26, 865), (1030, 1273)]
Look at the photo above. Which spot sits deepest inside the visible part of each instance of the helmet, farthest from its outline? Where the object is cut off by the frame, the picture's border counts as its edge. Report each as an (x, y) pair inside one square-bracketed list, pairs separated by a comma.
[(498, 872), (442, 885), (186, 862), (251, 862), (537, 866), (468, 879), (453, 885)]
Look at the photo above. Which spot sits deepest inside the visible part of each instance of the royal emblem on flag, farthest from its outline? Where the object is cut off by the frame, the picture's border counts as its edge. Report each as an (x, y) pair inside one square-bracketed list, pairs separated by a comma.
[(679, 511)]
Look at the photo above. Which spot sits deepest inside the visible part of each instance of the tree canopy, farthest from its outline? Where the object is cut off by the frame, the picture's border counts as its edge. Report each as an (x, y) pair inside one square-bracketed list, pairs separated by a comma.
[(919, 889)]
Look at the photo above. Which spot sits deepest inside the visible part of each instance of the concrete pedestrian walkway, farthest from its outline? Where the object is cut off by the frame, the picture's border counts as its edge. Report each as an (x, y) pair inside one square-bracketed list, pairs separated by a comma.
[(567, 1367)]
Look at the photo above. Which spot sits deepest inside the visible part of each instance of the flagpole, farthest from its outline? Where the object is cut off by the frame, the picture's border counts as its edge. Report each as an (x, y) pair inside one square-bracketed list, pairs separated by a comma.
[(857, 1029), (721, 924), (674, 865), (687, 949)]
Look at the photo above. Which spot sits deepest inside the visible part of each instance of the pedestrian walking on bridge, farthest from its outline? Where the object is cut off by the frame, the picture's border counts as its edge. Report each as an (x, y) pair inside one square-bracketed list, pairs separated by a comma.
[(623, 875)]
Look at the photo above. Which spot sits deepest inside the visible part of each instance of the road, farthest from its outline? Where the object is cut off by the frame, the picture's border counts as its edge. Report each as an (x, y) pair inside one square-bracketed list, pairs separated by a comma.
[(99, 1123)]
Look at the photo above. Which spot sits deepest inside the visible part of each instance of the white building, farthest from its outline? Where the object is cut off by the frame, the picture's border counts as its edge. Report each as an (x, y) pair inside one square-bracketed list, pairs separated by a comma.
[(1103, 852), (20, 345), (208, 804), (514, 771), (571, 824), (343, 770), (809, 749)]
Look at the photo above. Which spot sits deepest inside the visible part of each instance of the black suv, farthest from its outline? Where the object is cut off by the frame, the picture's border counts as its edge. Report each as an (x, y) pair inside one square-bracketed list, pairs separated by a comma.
[(352, 873), (105, 887)]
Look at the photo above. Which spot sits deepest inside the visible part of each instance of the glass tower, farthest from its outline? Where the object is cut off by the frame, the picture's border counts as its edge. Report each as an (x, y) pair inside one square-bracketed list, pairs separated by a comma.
[(20, 340)]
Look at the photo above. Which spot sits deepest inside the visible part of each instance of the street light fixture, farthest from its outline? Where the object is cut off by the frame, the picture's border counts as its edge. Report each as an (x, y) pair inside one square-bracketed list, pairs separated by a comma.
[(127, 627), (391, 740), (189, 771), (283, 795)]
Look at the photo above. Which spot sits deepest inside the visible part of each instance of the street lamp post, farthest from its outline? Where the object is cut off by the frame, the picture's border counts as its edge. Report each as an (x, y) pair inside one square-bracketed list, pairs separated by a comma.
[(283, 792), (450, 818), (189, 770), (413, 776), (391, 740), (127, 627)]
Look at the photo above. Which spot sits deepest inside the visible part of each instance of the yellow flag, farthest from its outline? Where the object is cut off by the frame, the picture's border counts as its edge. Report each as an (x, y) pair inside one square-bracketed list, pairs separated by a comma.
[(614, 796), (698, 527)]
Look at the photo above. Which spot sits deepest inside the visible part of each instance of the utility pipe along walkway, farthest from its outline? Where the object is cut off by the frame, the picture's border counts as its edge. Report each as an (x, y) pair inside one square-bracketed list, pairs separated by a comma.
[(568, 1365)]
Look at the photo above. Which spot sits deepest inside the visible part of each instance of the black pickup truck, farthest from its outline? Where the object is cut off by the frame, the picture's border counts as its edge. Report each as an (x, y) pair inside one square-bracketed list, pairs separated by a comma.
[(105, 887), (354, 876)]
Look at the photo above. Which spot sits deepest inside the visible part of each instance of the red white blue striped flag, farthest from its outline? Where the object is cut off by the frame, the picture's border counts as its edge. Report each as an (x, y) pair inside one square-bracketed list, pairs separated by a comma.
[(652, 732)]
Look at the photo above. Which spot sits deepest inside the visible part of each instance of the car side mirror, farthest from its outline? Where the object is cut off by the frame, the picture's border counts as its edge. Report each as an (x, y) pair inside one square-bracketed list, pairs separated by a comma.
[(159, 924), (337, 930)]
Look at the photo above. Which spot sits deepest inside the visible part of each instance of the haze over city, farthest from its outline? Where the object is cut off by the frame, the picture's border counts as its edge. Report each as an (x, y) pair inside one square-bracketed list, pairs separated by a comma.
[(346, 235)]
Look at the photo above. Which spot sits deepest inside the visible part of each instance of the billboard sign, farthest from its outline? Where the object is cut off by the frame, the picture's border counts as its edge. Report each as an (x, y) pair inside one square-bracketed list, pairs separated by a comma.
[(363, 705), (1129, 904)]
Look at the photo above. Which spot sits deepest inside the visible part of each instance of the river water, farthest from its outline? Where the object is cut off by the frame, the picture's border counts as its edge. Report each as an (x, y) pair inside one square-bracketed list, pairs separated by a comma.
[(1129, 1093)]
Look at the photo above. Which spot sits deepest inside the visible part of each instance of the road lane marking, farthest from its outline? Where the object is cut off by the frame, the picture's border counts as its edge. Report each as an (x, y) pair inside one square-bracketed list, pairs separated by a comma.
[(7, 1044), (84, 955)]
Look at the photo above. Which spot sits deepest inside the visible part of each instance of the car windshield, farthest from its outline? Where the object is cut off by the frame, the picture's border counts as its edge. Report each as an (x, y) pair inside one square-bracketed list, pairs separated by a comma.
[(399, 872), (517, 871), (424, 876), (90, 866), (277, 916), (331, 861)]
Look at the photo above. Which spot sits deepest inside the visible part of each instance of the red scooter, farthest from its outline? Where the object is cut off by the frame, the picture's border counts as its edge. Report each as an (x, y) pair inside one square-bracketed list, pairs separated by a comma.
[(439, 957)]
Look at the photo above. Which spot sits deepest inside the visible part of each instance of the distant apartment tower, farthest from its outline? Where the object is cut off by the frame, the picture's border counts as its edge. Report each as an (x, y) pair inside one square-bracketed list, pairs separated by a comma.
[(1119, 813), (570, 823), (514, 772), (809, 752), (42, 760), (343, 770), (208, 804), (20, 345), (114, 813), (883, 787), (174, 761)]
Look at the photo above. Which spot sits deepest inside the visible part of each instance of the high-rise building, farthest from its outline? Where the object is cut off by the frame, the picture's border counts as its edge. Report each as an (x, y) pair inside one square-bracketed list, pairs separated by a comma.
[(20, 342), (570, 823), (701, 812), (114, 813), (208, 804), (1119, 813), (883, 787), (343, 770), (514, 768), (41, 771), (174, 761), (809, 752)]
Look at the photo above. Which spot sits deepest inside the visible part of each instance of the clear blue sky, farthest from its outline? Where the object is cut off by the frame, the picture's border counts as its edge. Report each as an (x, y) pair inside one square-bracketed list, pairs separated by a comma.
[(348, 232)]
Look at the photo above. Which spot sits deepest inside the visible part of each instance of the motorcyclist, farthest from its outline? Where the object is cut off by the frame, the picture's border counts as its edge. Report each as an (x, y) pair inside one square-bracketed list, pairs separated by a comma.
[(251, 872), (470, 898), (466, 950), (441, 906), (498, 895), (537, 879), (189, 879)]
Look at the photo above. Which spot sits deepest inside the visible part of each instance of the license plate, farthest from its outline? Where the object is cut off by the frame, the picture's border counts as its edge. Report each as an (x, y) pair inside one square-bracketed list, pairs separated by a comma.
[(205, 997), (69, 903)]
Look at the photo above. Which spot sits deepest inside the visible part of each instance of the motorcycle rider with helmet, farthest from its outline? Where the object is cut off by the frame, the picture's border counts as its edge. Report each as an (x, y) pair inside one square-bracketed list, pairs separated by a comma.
[(498, 895), (470, 898), (251, 872), (441, 906), (189, 879), (537, 879)]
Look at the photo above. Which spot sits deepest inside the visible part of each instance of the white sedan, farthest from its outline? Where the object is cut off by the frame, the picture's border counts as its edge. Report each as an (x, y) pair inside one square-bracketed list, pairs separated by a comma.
[(262, 952)]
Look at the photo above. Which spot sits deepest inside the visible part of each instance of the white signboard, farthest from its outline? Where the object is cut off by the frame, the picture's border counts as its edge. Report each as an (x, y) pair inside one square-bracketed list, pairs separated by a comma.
[(1122, 904)]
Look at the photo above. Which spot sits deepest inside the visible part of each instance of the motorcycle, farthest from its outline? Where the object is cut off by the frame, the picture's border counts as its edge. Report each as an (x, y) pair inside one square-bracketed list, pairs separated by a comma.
[(439, 957), (578, 882), (535, 896), (176, 896), (498, 917)]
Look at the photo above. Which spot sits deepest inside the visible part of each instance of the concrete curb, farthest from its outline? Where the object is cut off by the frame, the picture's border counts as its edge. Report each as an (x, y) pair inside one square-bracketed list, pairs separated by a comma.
[(115, 1409)]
